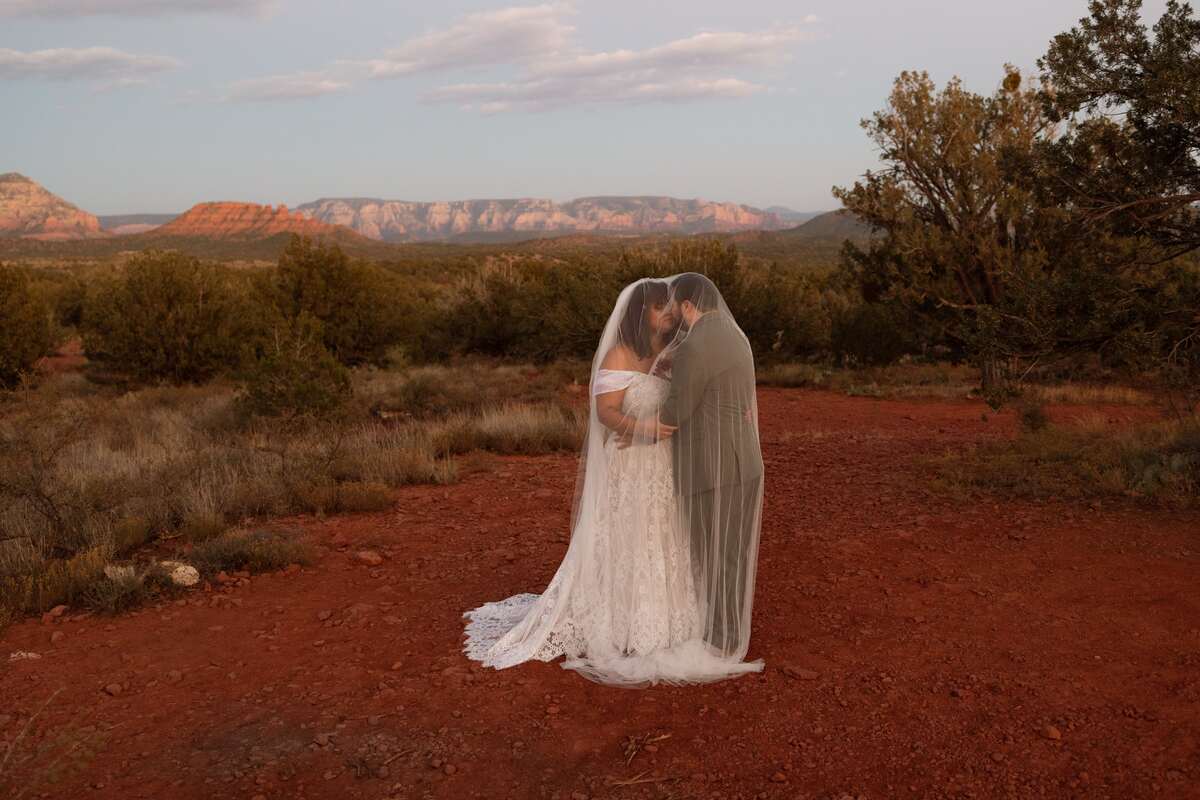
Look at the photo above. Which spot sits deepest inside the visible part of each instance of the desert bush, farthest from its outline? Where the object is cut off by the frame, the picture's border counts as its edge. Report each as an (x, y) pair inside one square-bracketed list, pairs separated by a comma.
[(792, 375), (124, 587), (512, 428), (358, 309), (1032, 415), (785, 315), (294, 375), (436, 390), (49, 583), (870, 334), (166, 316), (351, 496), (1156, 464), (253, 551), (27, 327)]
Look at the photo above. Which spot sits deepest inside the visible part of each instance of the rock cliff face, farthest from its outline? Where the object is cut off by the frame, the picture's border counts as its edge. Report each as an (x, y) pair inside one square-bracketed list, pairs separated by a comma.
[(244, 221), (27, 209), (398, 220)]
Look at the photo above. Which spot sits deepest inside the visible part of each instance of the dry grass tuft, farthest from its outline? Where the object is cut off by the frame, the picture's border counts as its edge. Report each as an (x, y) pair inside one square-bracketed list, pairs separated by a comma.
[(1157, 463), (253, 551)]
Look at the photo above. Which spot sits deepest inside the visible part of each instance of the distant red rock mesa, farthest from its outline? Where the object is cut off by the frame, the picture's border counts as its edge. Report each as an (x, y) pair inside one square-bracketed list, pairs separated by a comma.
[(28, 210), (245, 221)]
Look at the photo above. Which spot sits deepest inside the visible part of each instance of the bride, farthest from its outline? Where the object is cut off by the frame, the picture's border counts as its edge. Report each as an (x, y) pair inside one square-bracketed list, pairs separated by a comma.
[(626, 605)]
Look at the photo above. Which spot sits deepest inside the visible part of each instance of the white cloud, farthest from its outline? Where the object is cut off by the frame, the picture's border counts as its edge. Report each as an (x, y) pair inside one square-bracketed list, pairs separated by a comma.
[(706, 50), (285, 87), (546, 95), (554, 71), (86, 63), (83, 8), (507, 36)]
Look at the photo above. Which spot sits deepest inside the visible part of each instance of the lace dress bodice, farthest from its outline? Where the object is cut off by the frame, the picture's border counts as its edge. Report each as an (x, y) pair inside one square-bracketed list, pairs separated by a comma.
[(645, 395)]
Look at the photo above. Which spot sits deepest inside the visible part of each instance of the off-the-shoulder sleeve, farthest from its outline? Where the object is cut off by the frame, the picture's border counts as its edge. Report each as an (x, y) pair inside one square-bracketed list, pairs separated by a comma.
[(612, 380)]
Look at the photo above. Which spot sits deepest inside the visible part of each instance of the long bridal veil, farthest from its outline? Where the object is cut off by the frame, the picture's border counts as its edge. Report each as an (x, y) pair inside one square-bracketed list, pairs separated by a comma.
[(697, 547)]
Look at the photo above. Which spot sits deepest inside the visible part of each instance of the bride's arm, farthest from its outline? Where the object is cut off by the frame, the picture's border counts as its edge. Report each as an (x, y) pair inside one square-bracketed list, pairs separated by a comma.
[(608, 411)]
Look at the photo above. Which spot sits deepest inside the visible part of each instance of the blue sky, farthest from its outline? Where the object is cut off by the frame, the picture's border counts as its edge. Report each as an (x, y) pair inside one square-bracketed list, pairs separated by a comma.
[(155, 105)]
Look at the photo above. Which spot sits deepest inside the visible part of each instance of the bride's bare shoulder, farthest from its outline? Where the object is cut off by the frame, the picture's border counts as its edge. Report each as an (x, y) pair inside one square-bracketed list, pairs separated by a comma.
[(619, 357)]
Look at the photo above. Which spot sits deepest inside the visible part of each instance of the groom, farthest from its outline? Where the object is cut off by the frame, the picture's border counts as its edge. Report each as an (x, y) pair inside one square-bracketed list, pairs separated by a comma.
[(718, 460)]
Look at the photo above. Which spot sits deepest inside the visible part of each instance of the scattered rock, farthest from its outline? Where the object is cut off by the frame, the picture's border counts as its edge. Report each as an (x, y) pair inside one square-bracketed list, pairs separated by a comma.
[(174, 676), (181, 574), (369, 557), (801, 674), (113, 689), (57, 637), (324, 615), (779, 777), (1052, 733)]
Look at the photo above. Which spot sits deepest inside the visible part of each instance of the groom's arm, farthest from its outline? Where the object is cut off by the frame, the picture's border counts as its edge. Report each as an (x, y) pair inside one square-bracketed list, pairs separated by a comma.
[(689, 377)]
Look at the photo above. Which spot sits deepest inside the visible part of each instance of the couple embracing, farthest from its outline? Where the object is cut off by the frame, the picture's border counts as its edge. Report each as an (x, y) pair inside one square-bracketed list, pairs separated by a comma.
[(658, 579)]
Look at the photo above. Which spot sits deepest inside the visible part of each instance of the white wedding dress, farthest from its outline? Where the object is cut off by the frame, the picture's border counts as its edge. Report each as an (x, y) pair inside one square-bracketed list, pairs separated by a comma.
[(626, 611)]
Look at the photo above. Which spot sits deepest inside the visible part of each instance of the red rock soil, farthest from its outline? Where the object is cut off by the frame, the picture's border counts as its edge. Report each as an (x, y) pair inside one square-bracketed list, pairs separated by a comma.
[(915, 646)]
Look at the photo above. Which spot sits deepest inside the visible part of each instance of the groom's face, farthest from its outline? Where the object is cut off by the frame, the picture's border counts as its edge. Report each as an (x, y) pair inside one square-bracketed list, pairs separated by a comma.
[(676, 311)]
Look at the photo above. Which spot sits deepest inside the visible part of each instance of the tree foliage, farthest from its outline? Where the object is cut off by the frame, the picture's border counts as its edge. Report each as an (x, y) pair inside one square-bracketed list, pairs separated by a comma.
[(167, 316), (27, 327), (973, 252), (1130, 161), (356, 306)]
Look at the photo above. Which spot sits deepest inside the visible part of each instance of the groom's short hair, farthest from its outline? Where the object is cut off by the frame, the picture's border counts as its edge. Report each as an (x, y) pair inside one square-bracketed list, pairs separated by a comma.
[(695, 289)]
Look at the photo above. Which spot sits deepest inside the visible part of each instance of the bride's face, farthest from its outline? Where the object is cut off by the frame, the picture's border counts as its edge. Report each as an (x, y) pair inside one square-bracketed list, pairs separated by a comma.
[(661, 319)]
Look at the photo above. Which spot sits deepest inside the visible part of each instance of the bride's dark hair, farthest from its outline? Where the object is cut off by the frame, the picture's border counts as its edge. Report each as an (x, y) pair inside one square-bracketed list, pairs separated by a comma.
[(635, 327)]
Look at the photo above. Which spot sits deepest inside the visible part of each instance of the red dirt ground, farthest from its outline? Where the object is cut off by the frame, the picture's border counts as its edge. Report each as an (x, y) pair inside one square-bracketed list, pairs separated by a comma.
[(914, 648)]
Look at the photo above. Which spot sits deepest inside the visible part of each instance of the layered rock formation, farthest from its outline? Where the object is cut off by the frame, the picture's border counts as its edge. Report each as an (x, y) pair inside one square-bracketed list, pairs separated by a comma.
[(245, 221), (398, 220), (27, 209)]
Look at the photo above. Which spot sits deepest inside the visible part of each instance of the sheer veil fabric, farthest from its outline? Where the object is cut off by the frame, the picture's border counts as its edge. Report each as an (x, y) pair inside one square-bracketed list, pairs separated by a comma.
[(658, 579)]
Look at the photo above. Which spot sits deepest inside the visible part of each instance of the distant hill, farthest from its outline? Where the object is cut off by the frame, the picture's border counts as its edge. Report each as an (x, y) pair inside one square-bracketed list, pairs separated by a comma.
[(840, 224), (791, 216), (124, 224), (526, 218), (28, 210), (247, 221)]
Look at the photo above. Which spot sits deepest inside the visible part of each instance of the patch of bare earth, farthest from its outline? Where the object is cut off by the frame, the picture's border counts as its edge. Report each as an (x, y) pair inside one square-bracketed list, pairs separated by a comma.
[(914, 648)]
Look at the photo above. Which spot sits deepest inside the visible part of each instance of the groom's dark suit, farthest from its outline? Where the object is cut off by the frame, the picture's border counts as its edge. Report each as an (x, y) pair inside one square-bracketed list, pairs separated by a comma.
[(718, 465)]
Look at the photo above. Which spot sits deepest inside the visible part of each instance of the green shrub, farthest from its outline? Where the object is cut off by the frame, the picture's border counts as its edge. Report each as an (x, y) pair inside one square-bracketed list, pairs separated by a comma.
[(869, 334), (294, 376), (358, 308), (27, 327), (166, 316)]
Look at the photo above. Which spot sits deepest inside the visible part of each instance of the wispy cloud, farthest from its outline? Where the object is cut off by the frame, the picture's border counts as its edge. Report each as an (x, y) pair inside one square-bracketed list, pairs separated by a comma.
[(677, 71), (553, 71), (545, 95), (506, 36), (84, 8), (297, 86), (102, 64)]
